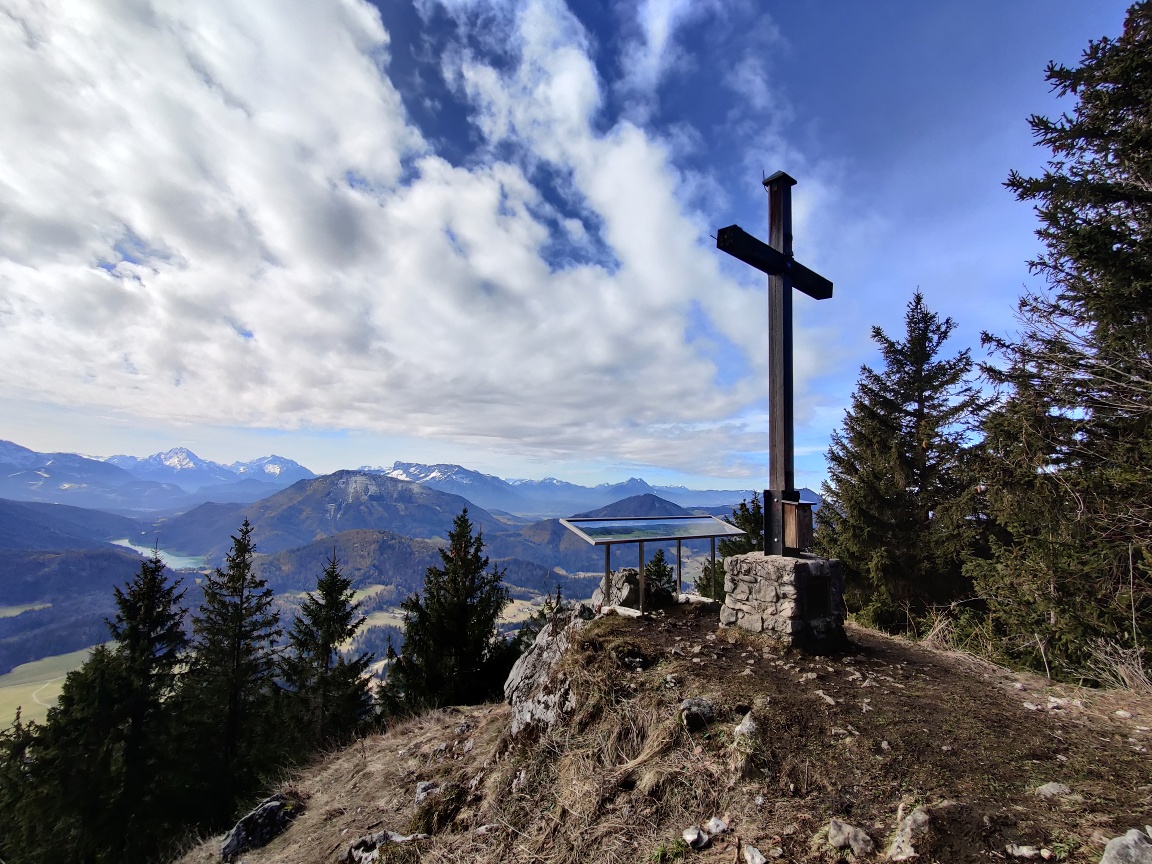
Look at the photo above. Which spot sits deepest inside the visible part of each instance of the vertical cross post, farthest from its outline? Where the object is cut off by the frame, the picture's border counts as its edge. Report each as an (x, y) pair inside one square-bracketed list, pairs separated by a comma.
[(784, 273), (781, 446)]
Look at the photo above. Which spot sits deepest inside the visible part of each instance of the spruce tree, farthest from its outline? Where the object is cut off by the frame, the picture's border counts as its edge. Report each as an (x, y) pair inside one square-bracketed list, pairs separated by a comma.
[(101, 776), (148, 632), (18, 793), (749, 518), (1069, 445), (231, 690), (453, 653), (900, 490), (659, 579), (329, 692)]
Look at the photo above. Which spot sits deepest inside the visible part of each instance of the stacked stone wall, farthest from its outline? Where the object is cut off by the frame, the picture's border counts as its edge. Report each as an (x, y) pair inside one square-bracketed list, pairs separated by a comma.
[(793, 599)]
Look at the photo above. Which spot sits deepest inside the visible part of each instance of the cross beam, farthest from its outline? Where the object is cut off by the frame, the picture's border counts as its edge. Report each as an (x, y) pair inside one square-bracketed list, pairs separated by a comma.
[(741, 245), (784, 273)]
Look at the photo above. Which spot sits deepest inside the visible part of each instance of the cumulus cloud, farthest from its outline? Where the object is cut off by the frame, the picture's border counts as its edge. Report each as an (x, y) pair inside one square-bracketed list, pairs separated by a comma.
[(220, 212)]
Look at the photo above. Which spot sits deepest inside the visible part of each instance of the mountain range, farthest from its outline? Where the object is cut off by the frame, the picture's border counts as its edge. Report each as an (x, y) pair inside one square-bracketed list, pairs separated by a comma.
[(178, 480), (548, 497), (64, 518), (165, 482)]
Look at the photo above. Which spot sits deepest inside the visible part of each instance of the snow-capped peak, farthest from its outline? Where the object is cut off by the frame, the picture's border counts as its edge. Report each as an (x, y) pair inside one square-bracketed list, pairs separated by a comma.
[(180, 459)]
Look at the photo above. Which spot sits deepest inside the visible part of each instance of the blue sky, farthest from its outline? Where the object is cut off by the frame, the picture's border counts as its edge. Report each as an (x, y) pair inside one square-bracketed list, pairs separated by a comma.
[(478, 232)]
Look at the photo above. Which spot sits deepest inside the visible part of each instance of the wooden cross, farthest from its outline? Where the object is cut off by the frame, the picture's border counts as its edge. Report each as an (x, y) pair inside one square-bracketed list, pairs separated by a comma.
[(784, 273)]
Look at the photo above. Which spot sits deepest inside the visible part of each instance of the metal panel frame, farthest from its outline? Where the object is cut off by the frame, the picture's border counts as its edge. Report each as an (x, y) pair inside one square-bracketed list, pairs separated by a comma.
[(724, 530)]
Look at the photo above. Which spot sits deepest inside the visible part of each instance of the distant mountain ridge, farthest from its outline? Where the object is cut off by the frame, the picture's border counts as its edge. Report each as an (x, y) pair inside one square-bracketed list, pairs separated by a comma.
[(178, 480), (175, 480), (647, 505), (311, 510), (188, 471), (548, 497)]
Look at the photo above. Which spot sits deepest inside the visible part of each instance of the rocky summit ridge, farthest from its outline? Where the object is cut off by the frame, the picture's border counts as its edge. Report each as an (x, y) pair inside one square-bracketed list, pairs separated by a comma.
[(670, 738)]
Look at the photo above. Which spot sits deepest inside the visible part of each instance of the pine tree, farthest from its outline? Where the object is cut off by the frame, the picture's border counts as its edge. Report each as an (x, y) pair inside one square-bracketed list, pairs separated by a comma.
[(1069, 445), (900, 489), (18, 793), (77, 768), (453, 654), (329, 691), (231, 690), (148, 630), (659, 579), (749, 518), (100, 775)]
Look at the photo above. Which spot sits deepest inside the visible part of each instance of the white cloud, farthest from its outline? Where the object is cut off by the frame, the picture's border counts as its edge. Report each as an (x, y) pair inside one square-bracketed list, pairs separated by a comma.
[(219, 212), (648, 58)]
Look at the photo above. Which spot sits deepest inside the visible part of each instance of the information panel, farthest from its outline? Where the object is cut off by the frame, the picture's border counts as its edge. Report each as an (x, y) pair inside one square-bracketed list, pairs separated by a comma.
[(602, 532)]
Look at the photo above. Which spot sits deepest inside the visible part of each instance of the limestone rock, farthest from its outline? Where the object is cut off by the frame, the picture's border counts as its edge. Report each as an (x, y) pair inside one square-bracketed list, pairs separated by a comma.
[(1025, 852), (844, 836), (752, 855), (424, 789), (625, 591), (366, 849), (696, 713), (914, 826), (259, 827), (537, 696), (747, 727), (1132, 848), (1053, 790), (716, 825), (695, 838)]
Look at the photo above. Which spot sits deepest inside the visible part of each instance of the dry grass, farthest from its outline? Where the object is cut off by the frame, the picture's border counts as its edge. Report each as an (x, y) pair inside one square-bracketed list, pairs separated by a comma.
[(1118, 667), (622, 779)]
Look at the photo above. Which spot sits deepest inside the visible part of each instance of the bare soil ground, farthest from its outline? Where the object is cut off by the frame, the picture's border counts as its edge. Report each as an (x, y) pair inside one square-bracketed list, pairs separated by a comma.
[(856, 736)]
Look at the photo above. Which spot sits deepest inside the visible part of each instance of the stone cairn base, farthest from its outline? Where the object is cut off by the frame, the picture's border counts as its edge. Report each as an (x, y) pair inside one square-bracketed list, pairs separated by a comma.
[(796, 600)]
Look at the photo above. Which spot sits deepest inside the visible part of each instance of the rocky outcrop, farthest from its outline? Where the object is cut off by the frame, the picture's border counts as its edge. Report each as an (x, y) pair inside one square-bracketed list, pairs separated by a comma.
[(625, 589), (625, 584), (266, 821), (538, 697), (1131, 848)]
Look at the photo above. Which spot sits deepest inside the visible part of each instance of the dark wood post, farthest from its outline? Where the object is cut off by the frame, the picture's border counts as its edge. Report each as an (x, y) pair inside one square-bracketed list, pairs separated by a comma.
[(781, 465), (784, 273)]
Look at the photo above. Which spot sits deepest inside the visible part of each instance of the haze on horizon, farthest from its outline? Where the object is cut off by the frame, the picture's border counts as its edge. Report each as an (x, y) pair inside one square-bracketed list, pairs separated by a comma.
[(479, 232)]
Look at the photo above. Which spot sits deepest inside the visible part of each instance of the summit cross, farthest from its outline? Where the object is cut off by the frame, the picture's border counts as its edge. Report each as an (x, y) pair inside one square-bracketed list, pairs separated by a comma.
[(784, 273)]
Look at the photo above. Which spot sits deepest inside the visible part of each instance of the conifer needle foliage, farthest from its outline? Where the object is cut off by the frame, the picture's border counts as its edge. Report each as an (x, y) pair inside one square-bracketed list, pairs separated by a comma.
[(900, 490), (748, 516), (330, 696), (453, 653), (232, 688), (100, 780), (1069, 445)]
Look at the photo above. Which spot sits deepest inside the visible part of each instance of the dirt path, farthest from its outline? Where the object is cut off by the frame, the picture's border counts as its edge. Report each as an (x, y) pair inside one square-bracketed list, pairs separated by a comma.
[(36, 692)]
